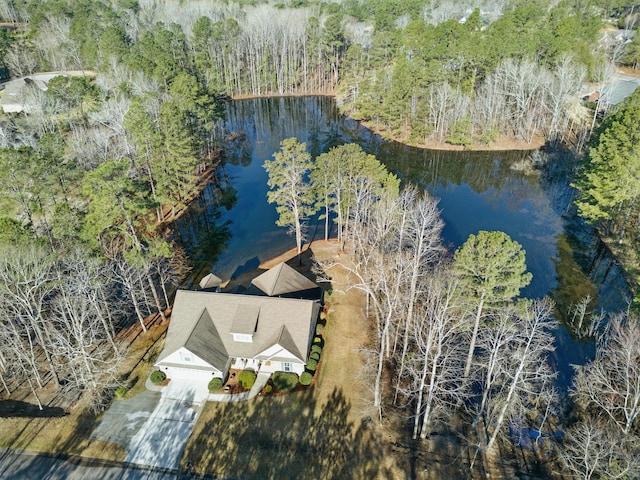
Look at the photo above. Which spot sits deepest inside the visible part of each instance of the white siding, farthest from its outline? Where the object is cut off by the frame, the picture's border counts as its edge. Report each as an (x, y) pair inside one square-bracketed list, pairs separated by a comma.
[(196, 369), (198, 376), (277, 351), (179, 355), (276, 366)]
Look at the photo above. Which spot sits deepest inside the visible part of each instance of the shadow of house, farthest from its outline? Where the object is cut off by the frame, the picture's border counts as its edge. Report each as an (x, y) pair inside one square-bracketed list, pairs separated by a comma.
[(288, 438)]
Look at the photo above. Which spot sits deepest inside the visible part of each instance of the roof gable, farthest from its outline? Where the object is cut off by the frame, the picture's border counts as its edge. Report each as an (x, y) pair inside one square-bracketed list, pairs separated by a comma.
[(199, 335), (285, 342), (282, 279), (210, 281), (205, 342)]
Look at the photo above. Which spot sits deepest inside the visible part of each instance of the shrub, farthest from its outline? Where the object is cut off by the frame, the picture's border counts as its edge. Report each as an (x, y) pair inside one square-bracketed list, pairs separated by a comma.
[(120, 391), (157, 377), (316, 349), (319, 329), (315, 356), (215, 385), (247, 378), (268, 389), (305, 378), (284, 381), (312, 365), (317, 340)]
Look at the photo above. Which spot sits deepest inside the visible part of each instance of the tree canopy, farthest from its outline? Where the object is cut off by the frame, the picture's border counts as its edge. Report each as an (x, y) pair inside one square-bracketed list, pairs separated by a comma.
[(289, 187), (609, 179)]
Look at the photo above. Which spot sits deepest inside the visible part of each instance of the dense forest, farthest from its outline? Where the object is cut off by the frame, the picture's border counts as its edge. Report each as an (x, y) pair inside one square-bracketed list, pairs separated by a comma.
[(97, 166)]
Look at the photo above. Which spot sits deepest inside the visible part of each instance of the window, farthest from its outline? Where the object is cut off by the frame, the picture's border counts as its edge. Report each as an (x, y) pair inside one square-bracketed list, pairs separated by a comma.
[(242, 337), (287, 367), (186, 357)]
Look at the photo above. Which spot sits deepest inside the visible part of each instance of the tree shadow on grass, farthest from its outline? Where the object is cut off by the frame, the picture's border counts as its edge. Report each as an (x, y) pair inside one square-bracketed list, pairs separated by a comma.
[(286, 437), (16, 408)]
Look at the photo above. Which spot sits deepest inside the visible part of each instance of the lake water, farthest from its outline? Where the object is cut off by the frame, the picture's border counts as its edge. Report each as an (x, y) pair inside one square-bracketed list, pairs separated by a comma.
[(231, 228)]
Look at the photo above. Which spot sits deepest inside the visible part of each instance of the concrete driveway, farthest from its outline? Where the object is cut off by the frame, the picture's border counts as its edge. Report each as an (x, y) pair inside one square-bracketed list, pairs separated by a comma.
[(154, 427)]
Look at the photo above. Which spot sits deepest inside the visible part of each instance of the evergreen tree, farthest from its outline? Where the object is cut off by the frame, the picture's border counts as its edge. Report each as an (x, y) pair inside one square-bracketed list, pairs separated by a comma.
[(290, 190), (492, 270), (610, 177), (117, 204)]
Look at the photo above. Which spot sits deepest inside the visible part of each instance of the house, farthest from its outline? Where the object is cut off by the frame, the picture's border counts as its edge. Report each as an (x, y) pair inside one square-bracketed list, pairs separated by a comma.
[(621, 88), (13, 99), (211, 332)]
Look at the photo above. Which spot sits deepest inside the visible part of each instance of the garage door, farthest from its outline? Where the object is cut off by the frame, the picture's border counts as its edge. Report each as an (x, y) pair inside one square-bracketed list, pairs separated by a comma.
[(190, 374)]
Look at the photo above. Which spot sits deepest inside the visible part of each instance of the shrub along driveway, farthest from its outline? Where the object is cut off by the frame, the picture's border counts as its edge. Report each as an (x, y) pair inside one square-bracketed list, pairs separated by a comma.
[(154, 427)]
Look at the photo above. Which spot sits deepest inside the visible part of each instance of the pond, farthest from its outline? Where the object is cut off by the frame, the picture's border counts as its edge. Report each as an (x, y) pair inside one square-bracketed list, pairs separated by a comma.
[(231, 228)]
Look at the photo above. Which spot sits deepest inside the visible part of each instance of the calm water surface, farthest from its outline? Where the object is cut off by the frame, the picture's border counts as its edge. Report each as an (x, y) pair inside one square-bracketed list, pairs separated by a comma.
[(232, 227)]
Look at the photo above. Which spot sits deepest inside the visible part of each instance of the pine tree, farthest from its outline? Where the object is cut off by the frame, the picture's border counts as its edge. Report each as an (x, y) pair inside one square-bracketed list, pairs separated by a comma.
[(492, 270), (290, 190)]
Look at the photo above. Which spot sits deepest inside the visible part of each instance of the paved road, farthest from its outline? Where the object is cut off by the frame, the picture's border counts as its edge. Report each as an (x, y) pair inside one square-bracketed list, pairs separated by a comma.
[(18, 465), (619, 88)]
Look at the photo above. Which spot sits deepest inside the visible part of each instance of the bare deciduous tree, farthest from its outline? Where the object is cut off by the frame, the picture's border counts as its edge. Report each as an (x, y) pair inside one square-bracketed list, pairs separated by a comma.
[(516, 359), (26, 281), (21, 61), (591, 450), (610, 383), (438, 355)]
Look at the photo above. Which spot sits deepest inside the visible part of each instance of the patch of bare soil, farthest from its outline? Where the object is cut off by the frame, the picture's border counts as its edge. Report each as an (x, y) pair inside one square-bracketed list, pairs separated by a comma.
[(501, 144), (632, 72), (232, 385)]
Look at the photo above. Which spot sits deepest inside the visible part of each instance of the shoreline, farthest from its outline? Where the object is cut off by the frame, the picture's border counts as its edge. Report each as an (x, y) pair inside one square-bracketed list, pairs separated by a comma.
[(502, 144)]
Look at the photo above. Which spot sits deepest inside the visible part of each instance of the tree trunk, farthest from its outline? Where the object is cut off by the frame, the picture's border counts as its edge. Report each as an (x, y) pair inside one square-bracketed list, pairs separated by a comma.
[(35, 394), (156, 298), (474, 338), (326, 221), (427, 411), (416, 420), (137, 308)]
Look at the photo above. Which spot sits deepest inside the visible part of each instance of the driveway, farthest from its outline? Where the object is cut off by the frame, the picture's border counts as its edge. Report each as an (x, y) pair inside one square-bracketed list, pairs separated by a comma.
[(154, 427)]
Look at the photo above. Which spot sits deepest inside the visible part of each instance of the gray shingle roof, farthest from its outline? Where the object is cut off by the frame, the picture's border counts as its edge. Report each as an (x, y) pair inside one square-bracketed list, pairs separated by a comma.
[(205, 321), (245, 319), (210, 281), (205, 342), (617, 91), (282, 279)]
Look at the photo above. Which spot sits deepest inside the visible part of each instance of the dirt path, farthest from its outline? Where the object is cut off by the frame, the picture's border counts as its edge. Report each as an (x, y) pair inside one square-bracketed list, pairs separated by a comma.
[(346, 334)]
